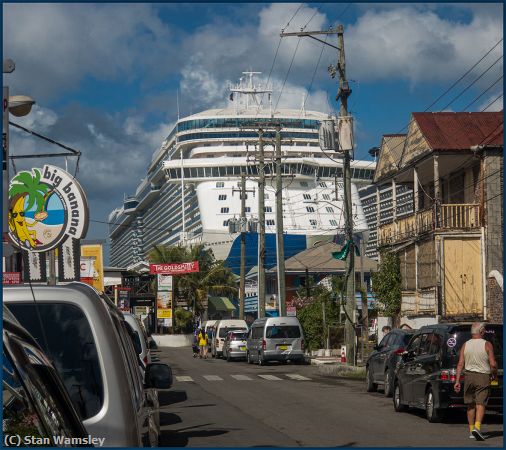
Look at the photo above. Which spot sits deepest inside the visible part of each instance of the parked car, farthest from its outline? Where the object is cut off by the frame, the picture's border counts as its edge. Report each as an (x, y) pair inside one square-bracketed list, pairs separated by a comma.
[(381, 364), (36, 406), (221, 328), (86, 337), (275, 339), (427, 370), (234, 346)]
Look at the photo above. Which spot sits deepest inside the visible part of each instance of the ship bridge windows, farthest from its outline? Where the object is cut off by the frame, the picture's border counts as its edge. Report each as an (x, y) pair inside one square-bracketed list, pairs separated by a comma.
[(326, 196), (269, 222), (268, 208), (220, 184), (247, 209), (313, 222), (333, 222), (309, 209), (307, 196), (236, 122), (225, 210), (323, 184), (222, 197)]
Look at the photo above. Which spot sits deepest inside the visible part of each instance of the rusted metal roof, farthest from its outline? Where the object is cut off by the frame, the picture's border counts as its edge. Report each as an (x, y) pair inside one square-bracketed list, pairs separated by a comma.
[(461, 130)]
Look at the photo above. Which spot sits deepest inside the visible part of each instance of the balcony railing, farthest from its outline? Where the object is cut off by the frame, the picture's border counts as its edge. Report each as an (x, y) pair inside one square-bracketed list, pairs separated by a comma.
[(444, 217)]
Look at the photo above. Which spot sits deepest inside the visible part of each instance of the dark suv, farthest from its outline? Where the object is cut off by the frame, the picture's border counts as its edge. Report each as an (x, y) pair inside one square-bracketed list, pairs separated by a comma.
[(380, 366), (426, 373)]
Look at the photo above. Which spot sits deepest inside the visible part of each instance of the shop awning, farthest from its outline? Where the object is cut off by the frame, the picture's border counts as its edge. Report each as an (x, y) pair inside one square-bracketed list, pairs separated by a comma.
[(220, 304)]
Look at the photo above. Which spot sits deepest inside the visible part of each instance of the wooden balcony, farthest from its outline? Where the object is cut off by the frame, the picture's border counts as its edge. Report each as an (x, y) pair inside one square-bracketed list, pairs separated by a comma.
[(420, 302), (448, 217)]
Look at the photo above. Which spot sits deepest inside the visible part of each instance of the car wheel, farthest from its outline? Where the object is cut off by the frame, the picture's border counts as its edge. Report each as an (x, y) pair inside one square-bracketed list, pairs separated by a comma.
[(248, 358), (388, 388), (261, 360), (398, 405), (370, 385), (431, 413)]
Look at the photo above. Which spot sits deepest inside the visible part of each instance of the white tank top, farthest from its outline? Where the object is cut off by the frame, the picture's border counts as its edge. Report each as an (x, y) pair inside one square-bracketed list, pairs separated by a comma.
[(476, 357)]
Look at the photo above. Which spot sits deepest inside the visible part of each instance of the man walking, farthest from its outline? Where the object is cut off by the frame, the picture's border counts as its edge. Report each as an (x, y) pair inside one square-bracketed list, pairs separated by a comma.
[(477, 358)]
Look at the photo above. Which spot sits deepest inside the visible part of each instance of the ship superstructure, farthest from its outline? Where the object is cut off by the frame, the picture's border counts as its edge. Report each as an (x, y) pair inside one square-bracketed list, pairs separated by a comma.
[(191, 190)]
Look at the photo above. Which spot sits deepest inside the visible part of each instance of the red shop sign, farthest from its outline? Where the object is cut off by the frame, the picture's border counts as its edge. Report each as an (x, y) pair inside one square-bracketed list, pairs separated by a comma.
[(174, 268)]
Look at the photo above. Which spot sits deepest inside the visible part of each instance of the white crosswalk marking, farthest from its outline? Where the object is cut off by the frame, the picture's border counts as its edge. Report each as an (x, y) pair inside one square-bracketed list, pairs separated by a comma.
[(213, 378), (184, 378), (295, 376), (270, 377), (241, 377)]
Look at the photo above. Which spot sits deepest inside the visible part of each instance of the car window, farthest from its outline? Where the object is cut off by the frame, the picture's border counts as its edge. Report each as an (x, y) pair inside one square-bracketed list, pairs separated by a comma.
[(384, 342), (239, 336), (424, 344), (406, 338), (414, 343), (282, 332), (257, 332), (223, 331), (436, 342), (75, 356)]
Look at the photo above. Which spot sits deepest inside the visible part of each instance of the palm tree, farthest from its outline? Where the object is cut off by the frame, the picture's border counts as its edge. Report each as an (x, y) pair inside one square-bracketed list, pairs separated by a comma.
[(28, 185)]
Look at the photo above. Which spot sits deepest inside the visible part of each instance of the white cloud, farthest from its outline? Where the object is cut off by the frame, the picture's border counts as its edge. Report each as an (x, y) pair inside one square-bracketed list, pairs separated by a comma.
[(418, 45), (492, 103)]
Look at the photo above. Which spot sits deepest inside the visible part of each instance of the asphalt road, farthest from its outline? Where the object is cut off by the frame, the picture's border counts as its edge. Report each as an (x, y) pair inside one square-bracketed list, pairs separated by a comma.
[(214, 403)]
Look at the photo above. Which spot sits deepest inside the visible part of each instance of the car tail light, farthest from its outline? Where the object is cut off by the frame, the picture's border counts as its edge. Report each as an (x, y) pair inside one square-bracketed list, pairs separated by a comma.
[(450, 375), (146, 360), (400, 351), (302, 344), (264, 344)]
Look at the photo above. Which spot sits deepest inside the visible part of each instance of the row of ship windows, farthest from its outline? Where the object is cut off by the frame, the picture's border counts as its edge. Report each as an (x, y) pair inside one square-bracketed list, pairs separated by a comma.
[(234, 122), (286, 169), (244, 134), (221, 184), (271, 222), (268, 209)]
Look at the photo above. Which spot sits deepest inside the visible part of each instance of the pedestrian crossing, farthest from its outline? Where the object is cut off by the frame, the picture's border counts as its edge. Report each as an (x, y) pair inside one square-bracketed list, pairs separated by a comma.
[(241, 377)]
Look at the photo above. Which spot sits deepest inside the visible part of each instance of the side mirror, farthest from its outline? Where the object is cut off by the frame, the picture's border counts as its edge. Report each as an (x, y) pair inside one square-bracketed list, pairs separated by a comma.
[(158, 376), (152, 344)]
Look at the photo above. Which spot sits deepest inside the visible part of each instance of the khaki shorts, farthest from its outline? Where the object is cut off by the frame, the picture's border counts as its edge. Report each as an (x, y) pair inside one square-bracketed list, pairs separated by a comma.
[(476, 388)]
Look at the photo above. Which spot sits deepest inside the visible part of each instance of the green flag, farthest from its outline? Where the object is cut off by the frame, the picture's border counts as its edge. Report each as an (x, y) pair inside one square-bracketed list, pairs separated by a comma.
[(343, 254)]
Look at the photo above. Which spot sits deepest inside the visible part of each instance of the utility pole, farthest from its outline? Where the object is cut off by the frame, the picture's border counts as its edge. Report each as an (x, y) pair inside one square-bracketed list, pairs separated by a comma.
[(280, 246), (261, 225), (343, 93), (243, 225)]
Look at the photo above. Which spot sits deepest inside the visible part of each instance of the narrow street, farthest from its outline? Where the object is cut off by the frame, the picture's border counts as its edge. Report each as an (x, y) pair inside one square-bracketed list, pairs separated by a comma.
[(217, 404)]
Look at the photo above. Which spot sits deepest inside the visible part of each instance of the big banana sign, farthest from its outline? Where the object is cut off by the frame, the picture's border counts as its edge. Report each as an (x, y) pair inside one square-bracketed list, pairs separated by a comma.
[(46, 207)]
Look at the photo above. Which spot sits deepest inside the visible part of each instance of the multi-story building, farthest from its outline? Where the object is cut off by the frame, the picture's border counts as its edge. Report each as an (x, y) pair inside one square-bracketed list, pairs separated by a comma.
[(451, 245), (374, 195)]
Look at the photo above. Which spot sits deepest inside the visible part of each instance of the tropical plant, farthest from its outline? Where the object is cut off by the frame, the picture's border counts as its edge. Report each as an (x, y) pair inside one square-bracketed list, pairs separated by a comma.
[(28, 185), (184, 320), (386, 285), (311, 317)]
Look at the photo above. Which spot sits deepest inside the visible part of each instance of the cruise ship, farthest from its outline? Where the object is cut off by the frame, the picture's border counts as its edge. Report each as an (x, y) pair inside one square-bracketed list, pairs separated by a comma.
[(191, 190)]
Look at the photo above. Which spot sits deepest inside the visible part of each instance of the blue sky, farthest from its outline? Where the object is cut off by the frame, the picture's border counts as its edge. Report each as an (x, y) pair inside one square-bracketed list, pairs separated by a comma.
[(105, 76)]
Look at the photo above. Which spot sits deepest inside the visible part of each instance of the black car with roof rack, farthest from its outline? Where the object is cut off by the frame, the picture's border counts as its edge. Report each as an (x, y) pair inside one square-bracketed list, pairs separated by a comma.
[(426, 372)]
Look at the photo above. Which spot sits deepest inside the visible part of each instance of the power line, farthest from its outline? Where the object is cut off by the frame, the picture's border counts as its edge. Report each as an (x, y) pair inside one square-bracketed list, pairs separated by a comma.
[(483, 93)]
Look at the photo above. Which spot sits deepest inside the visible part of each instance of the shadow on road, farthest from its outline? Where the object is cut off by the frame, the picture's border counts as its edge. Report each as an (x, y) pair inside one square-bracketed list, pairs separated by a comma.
[(180, 438), (169, 418), (198, 406), (166, 398)]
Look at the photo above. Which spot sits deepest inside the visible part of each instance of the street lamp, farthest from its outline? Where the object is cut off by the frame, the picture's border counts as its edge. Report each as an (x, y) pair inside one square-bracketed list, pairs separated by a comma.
[(20, 105)]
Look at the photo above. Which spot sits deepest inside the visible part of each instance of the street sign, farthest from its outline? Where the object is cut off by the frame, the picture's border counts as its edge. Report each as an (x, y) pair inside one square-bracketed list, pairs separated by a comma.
[(291, 311), (174, 268), (11, 278)]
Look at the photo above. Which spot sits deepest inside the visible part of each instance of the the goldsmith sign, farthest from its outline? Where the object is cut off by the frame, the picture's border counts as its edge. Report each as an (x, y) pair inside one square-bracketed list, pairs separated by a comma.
[(174, 268), (46, 207)]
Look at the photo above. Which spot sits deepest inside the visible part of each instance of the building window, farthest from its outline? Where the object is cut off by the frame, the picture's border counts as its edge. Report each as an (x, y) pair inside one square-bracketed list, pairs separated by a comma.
[(326, 196), (269, 222), (307, 197), (309, 209), (220, 184), (312, 222), (323, 184), (333, 222), (222, 197), (303, 183), (225, 210), (247, 209), (329, 209), (268, 208)]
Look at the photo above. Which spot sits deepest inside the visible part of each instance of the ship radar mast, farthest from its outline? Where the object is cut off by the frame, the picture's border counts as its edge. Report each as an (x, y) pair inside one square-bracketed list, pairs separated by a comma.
[(249, 96)]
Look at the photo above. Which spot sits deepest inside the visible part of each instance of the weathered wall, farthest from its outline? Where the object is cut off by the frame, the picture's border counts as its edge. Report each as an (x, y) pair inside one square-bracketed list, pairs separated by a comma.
[(495, 301), (426, 264)]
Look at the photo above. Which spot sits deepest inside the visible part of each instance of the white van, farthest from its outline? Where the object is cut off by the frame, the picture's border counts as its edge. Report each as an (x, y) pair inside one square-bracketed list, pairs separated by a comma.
[(275, 339), (221, 328)]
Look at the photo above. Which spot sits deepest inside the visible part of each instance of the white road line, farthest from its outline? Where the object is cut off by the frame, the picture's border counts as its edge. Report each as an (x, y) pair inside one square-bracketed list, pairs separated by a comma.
[(295, 376), (270, 377), (184, 378), (241, 377), (213, 378)]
